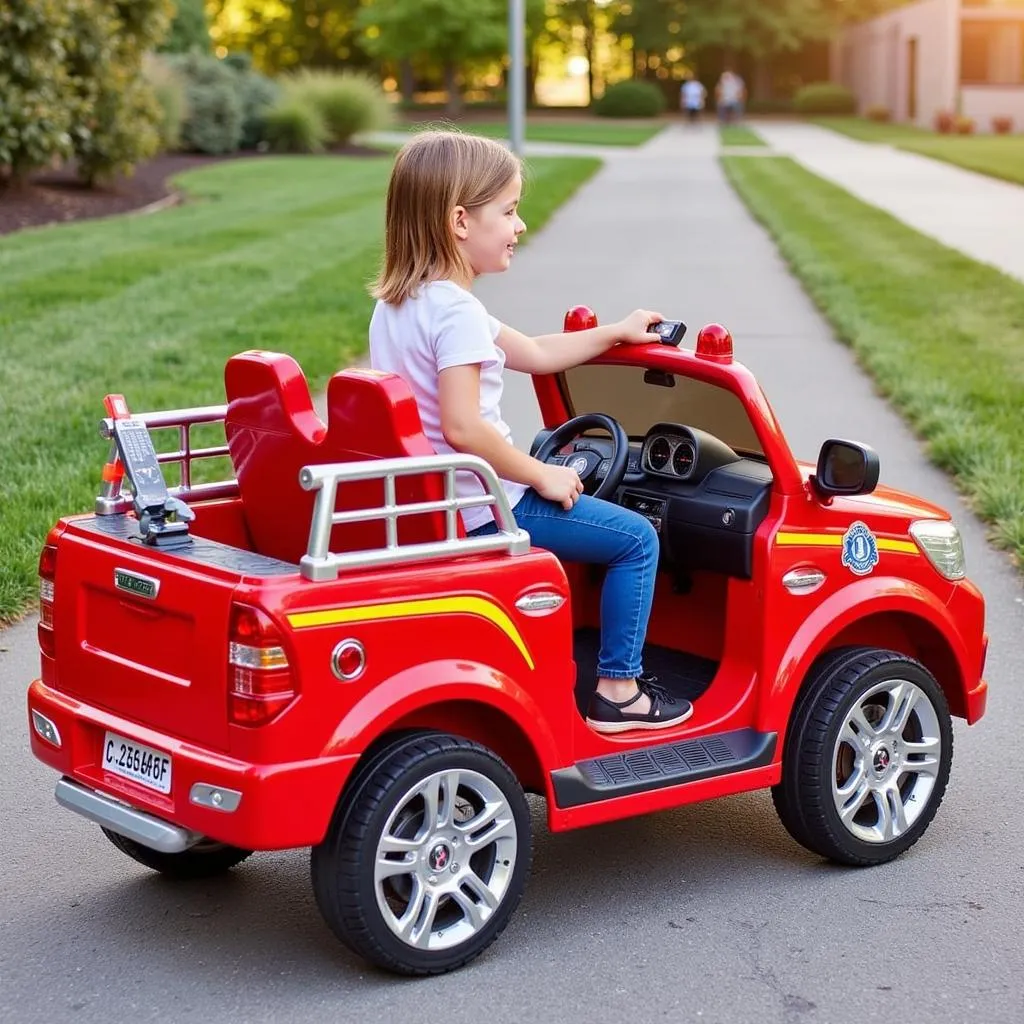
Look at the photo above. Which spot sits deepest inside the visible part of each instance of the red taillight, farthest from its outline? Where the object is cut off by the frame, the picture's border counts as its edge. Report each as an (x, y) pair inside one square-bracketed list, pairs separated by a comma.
[(714, 343), (260, 681), (47, 591)]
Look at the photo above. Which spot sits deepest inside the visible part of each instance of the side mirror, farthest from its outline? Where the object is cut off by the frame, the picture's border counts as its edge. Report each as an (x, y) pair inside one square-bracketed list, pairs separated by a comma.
[(845, 468)]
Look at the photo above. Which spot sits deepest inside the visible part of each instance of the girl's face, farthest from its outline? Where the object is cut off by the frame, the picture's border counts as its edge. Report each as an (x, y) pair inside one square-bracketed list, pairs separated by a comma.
[(487, 235)]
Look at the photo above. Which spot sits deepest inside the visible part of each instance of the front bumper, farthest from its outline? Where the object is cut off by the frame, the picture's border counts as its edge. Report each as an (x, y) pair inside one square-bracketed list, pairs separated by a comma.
[(264, 806)]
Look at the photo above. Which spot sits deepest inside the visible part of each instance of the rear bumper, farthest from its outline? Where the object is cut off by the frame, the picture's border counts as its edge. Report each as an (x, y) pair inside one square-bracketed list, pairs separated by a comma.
[(278, 806)]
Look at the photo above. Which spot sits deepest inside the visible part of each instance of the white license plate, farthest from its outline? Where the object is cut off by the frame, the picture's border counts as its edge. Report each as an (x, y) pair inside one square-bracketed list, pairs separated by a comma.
[(136, 761)]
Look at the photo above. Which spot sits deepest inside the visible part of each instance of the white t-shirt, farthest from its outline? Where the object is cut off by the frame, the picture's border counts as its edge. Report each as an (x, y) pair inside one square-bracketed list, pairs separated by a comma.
[(444, 325), (693, 94)]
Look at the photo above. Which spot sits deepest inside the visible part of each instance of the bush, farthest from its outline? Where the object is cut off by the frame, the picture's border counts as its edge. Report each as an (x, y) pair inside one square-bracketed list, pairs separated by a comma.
[(170, 89), (258, 94), (877, 112), (120, 115), (824, 98), (1002, 125), (963, 125), (630, 99), (295, 125), (190, 29), (348, 103), (945, 121), (215, 117), (35, 116)]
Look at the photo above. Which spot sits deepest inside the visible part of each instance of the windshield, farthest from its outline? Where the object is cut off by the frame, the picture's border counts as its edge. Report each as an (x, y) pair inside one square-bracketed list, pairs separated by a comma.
[(622, 393)]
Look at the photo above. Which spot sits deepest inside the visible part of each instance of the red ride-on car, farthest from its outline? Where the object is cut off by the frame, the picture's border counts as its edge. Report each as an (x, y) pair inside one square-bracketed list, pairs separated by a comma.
[(314, 654)]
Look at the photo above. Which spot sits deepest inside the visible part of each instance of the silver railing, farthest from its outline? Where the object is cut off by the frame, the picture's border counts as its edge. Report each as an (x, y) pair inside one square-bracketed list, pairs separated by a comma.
[(116, 499), (319, 563)]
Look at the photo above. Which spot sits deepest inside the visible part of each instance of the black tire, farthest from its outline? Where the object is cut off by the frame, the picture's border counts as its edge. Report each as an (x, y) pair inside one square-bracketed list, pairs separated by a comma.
[(386, 801), (894, 788), (204, 860)]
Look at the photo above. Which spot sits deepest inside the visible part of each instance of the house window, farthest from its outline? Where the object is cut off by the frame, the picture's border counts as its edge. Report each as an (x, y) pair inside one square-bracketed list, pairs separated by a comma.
[(992, 52)]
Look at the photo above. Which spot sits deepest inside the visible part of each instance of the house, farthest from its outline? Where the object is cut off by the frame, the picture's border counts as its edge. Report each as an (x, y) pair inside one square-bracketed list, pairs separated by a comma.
[(964, 56)]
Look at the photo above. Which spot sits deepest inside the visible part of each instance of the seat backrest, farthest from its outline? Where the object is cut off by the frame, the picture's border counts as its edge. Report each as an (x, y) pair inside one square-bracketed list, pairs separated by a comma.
[(273, 431)]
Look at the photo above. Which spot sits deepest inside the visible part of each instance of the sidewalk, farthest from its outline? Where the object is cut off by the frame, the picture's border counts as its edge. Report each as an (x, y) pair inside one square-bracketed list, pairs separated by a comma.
[(964, 210)]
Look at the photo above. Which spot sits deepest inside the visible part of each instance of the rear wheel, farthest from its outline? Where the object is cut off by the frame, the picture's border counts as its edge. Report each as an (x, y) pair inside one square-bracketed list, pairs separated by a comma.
[(204, 860), (427, 859), (867, 757)]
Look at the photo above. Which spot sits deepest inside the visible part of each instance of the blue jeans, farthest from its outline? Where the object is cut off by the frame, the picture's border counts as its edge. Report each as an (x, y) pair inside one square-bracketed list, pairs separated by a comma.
[(599, 532)]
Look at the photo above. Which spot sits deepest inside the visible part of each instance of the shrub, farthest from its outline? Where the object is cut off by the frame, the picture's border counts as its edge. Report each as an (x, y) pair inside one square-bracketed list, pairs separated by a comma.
[(119, 115), (189, 29), (348, 103), (944, 121), (295, 125), (170, 89), (36, 117), (877, 112), (630, 99), (824, 98), (1002, 125), (963, 125), (258, 94), (214, 122)]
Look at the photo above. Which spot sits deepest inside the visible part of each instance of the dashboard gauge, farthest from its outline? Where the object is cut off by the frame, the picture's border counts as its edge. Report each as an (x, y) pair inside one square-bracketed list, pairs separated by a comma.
[(658, 454), (682, 460)]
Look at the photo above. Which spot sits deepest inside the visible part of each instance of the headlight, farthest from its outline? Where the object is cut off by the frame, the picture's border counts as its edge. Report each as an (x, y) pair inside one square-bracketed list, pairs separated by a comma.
[(940, 541)]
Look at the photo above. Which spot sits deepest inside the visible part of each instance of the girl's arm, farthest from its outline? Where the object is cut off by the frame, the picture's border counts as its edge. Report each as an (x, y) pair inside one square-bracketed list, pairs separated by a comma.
[(551, 353), (467, 431)]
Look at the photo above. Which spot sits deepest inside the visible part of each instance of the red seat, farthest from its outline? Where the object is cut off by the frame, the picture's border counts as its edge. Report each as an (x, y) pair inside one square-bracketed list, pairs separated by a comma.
[(273, 431)]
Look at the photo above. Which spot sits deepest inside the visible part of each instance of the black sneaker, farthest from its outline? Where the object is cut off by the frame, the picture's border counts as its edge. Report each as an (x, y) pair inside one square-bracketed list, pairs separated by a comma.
[(606, 715)]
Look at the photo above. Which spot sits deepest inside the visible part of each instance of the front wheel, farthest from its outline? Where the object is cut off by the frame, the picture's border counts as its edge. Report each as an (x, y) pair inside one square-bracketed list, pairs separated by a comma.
[(427, 858), (204, 860), (867, 757)]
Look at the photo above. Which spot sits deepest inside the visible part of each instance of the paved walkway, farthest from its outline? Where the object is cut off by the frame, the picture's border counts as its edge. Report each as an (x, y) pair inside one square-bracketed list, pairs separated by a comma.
[(978, 215)]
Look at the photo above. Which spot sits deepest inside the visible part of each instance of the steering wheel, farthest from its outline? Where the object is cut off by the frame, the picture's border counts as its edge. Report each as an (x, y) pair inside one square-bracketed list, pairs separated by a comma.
[(586, 462)]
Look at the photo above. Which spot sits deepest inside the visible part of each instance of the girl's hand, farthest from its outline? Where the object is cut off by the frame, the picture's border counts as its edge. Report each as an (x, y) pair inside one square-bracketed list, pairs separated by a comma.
[(559, 483), (633, 329)]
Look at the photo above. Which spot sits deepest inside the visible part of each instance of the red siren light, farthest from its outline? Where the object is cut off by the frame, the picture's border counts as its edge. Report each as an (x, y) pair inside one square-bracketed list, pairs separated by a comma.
[(580, 318), (714, 343)]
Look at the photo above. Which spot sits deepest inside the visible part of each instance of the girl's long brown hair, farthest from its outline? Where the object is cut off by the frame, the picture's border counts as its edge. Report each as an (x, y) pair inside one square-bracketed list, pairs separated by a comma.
[(433, 173)]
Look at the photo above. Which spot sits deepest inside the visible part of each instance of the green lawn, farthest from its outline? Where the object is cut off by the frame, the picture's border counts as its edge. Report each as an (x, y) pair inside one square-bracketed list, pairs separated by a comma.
[(594, 132), (999, 156), (738, 135), (273, 253), (942, 335)]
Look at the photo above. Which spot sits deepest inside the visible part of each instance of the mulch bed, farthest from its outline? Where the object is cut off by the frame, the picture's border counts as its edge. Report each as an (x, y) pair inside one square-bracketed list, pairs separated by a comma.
[(53, 197)]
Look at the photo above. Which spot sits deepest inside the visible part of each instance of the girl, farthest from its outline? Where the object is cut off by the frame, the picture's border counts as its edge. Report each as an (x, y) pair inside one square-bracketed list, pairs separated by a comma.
[(452, 215)]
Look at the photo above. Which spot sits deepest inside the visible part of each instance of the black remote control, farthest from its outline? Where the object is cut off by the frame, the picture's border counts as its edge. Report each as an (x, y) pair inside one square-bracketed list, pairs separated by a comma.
[(670, 331)]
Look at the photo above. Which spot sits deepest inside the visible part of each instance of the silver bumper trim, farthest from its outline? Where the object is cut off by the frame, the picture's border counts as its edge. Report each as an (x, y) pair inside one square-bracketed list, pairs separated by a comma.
[(144, 828)]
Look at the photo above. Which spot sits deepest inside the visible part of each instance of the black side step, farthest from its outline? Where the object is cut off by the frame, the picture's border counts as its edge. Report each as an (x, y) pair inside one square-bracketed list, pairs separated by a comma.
[(668, 764)]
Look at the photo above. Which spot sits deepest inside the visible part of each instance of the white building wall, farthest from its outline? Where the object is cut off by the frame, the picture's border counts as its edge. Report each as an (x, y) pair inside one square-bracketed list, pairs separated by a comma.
[(872, 59), (983, 102)]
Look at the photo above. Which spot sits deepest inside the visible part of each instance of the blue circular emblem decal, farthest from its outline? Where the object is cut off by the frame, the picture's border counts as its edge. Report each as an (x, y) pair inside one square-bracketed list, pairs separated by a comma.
[(860, 549)]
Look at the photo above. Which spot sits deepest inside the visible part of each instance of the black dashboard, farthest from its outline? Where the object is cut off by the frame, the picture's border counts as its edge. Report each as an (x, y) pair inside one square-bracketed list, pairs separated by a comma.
[(705, 500)]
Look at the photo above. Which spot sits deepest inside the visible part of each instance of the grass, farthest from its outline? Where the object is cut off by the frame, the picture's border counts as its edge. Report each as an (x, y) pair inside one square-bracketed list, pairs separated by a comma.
[(272, 253), (998, 156), (738, 135), (594, 132), (942, 335)]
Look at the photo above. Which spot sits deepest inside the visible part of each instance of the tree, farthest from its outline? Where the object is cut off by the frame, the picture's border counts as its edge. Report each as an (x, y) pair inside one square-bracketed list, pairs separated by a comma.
[(190, 29), (455, 30), (35, 115)]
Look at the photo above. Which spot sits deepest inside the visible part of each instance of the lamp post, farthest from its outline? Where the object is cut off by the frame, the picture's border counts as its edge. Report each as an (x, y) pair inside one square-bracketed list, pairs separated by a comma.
[(516, 74)]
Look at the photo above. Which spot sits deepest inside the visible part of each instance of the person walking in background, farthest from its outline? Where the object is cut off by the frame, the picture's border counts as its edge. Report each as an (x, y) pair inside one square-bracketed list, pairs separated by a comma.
[(730, 93), (692, 95)]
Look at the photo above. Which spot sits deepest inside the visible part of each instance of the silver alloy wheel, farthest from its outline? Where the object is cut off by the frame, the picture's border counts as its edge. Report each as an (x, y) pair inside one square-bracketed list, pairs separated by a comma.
[(886, 760), (445, 859)]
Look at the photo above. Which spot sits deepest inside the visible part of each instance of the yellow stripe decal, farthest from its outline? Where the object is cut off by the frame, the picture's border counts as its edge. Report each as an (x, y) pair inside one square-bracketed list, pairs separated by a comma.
[(413, 609), (835, 540)]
